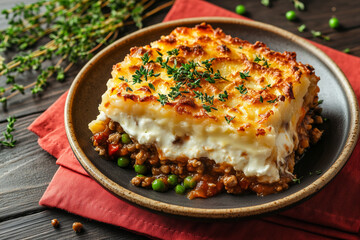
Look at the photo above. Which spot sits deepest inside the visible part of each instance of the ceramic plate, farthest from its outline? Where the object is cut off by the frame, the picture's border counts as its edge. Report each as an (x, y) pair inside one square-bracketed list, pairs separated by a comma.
[(328, 156)]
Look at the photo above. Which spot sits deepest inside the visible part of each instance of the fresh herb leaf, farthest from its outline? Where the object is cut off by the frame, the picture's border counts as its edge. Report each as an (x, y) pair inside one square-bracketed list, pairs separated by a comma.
[(151, 86), (228, 120), (244, 75), (242, 89), (320, 102), (145, 59), (9, 138), (346, 50), (318, 34), (257, 59), (128, 89), (301, 28), (297, 180), (163, 99), (175, 52), (204, 97), (208, 108), (299, 5), (272, 101), (223, 96), (267, 86), (19, 88), (261, 99)]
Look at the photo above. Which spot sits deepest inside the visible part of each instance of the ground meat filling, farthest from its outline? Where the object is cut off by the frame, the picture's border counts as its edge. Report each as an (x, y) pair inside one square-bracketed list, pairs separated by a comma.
[(211, 178)]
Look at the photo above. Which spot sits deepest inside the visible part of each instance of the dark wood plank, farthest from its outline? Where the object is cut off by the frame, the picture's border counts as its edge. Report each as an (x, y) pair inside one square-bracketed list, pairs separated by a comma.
[(38, 226), (25, 171)]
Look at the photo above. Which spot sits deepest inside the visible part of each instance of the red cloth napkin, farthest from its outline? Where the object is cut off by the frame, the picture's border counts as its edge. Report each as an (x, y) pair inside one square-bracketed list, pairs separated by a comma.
[(332, 213)]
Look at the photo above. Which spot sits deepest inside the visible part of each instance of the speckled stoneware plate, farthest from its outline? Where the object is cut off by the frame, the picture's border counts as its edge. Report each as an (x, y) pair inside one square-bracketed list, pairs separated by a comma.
[(328, 156)]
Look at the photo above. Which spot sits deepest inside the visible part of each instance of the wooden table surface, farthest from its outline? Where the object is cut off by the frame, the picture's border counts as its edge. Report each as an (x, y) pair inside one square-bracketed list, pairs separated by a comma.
[(26, 170)]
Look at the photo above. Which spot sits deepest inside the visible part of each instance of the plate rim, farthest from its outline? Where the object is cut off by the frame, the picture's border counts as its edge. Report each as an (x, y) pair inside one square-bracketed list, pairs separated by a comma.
[(141, 200)]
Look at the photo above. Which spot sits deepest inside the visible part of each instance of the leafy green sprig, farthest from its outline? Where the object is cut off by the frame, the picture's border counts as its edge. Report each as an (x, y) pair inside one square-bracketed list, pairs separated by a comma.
[(9, 138), (76, 30), (259, 59), (190, 75)]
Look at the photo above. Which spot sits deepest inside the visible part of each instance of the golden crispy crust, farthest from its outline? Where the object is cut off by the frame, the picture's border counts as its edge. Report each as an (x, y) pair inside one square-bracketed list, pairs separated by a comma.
[(273, 77)]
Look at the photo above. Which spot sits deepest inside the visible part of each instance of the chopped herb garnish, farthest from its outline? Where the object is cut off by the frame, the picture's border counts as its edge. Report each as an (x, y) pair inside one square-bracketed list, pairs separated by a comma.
[(299, 5), (175, 91), (228, 120), (240, 47), (301, 28), (122, 78), (208, 108), (244, 75), (320, 102), (242, 89), (145, 58), (297, 180), (9, 138), (266, 64), (261, 99), (223, 96), (143, 72), (272, 101), (346, 50), (259, 59), (159, 53), (204, 97), (151, 86), (318, 34), (175, 52), (128, 89), (267, 86), (208, 63), (163, 99)]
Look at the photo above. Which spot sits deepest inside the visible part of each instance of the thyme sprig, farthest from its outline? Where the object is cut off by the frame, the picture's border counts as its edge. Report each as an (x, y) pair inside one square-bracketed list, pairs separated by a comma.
[(76, 29), (259, 59), (9, 138)]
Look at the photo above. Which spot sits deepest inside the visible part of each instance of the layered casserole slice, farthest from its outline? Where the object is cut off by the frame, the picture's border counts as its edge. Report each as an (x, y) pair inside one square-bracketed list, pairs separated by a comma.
[(206, 107)]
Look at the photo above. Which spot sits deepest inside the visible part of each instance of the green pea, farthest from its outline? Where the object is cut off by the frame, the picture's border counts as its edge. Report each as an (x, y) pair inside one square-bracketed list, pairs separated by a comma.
[(290, 15), (240, 9), (189, 182), (123, 161), (125, 138), (140, 175), (141, 169), (334, 22), (180, 189), (158, 185), (172, 179)]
